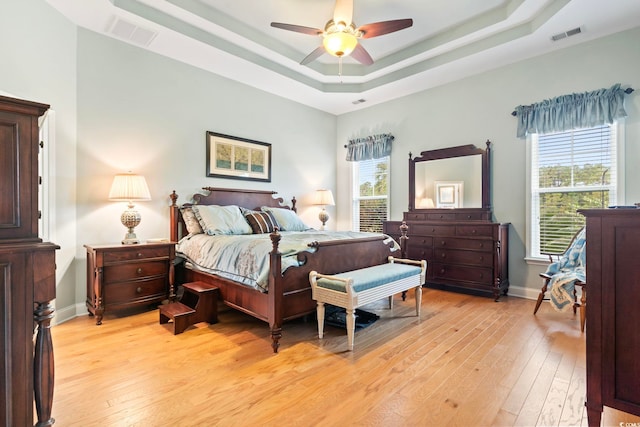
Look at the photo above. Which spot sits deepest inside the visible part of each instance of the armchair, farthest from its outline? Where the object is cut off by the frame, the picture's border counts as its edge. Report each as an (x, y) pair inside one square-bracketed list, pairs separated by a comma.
[(562, 277)]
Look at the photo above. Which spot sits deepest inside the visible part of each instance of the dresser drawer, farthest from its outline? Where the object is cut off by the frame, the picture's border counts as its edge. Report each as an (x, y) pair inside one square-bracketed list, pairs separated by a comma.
[(470, 216), (463, 257), (140, 253), (420, 241), (129, 292), (484, 245), (419, 253), (454, 272), (413, 216), (474, 230), (134, 271), (431, 230), (447, 215)]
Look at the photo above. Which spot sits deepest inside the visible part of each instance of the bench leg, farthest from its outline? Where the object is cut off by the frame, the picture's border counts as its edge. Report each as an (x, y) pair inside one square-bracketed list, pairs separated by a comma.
[(418, 300), (391, 302), (320, 316), (351, 328)]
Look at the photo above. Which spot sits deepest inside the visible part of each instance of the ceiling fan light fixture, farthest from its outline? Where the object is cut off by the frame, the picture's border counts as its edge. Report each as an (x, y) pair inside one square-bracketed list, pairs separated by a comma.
[(340, 43)]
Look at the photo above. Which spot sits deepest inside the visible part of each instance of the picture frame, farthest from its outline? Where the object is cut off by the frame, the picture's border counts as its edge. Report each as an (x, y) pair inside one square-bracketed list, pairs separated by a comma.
[(233, 157), (449, 194)]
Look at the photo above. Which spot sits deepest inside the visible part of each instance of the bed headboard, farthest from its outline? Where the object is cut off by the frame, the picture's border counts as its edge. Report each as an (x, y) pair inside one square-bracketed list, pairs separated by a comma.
[(250, 199)]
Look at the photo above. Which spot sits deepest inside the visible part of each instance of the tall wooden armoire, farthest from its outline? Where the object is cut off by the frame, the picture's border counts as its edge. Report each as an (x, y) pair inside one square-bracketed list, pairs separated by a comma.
[(27, 273)]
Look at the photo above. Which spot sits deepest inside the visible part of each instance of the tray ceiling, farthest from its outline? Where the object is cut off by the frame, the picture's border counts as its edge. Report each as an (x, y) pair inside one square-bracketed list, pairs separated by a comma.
[(449, 40)]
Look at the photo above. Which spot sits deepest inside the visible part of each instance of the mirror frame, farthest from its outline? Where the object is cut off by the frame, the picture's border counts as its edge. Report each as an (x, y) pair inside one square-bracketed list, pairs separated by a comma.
[(448, 153)]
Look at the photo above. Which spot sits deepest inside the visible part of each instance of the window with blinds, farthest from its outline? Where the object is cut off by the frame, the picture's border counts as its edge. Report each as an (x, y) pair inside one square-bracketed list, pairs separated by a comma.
[(569, 171), (370, 194)]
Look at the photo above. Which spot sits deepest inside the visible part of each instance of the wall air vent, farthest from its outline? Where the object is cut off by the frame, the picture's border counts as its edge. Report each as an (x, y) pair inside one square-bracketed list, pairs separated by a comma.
[(131, 32), (566, 34)]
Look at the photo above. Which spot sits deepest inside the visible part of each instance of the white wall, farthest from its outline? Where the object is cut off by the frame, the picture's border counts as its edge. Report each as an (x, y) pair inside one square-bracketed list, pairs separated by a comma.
[(473, 110), (142, 112), (38, 63)]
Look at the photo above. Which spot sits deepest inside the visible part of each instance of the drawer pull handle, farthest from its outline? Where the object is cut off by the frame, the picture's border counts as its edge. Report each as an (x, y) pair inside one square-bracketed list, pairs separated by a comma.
[(473, 231), (139, 255), (138, 289), (443, 255), (468, 216), (443, 243), (139, 271)]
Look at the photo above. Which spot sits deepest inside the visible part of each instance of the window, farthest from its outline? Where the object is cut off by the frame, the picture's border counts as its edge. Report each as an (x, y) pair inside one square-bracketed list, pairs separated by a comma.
[(570, 170), (370, 194)]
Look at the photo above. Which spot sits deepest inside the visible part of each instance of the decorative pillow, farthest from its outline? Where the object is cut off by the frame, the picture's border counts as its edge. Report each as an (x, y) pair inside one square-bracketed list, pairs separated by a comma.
[(261, 222), (190, 220), (221, 219), (288, 219)]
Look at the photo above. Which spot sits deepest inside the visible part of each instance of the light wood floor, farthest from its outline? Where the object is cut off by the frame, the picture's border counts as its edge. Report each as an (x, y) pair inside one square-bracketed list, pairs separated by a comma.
[(467, 362)]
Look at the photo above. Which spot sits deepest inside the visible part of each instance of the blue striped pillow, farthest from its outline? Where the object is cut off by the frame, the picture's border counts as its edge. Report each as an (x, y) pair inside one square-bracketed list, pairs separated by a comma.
[(261, 222)]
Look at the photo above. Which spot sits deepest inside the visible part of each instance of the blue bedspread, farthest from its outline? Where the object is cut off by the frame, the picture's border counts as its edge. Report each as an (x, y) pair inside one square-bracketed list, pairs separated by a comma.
[(569, 268), (245, 258)]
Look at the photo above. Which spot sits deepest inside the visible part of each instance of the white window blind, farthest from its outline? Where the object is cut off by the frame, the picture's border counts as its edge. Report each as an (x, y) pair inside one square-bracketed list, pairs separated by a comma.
[(370, 194), (569, 171)]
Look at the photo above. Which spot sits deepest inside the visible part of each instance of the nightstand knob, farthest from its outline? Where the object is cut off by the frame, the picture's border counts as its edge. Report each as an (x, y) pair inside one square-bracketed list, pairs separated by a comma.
[(138, 289), (139, 271)]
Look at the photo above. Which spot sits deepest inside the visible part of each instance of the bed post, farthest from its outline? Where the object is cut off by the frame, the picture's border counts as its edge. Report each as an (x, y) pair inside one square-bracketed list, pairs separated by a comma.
[(403, 239), (173, 217), (275, 292)]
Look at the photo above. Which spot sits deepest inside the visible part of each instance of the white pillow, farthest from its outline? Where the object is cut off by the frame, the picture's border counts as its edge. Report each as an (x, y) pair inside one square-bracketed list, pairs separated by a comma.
[(288, 219), (221, 219), (190, 220)]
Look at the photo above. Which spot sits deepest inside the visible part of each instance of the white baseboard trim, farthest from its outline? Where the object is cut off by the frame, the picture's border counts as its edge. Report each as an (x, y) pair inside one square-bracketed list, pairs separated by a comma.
[(68, 313), (522, 292)]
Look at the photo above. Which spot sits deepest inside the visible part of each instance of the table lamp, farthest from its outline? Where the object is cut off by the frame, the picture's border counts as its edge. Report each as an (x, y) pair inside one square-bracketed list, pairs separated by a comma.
[(324, 198), (129, 187)]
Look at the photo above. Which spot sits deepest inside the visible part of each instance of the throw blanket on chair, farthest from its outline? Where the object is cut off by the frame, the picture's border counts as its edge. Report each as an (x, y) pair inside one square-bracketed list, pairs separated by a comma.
[(564, 273)]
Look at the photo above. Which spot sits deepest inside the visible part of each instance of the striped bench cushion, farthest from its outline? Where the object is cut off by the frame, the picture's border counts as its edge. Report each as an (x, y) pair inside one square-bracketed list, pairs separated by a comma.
[(371, 277)]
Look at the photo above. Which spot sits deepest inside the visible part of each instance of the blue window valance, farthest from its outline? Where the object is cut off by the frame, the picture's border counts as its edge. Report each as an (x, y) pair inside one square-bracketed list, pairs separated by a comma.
[(574, 111), (371, 147)]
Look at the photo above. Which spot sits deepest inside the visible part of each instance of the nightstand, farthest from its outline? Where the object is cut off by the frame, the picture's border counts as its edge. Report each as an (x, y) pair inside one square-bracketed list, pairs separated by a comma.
[(122, 276)]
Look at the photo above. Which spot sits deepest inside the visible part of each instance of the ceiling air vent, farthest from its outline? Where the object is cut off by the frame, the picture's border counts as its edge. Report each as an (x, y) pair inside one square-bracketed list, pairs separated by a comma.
[(131, 32), (359, 101), (566, 34)]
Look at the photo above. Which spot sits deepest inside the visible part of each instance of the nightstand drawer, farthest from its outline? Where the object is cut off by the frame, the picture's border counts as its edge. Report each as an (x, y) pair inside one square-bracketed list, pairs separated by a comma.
[(137, 253), (134, 271), (128, 292)]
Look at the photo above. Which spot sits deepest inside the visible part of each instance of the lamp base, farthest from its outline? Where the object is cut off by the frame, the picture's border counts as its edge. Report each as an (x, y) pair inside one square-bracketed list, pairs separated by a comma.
[(130, 218), (130, 239), (323, 217)]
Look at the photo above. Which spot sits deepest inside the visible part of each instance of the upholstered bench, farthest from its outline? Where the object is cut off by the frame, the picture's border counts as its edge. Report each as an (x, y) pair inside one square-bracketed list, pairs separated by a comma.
[(356, 288)]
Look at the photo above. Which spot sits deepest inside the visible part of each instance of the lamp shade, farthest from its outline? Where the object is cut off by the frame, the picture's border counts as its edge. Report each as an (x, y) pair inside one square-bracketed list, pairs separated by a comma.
[(129, 186), (324, 198), (340, 43)]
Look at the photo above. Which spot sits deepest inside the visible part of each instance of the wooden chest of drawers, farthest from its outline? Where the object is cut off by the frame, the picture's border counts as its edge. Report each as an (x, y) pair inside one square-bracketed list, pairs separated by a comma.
[(127, 275), (463, 252)]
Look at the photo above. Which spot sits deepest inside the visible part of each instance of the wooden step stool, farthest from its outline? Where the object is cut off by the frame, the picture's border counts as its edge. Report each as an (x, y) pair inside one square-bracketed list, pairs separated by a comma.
[(199, 303)]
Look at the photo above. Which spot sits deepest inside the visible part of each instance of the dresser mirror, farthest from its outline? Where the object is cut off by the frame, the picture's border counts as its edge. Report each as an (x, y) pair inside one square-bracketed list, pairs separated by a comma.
[(450, 178)]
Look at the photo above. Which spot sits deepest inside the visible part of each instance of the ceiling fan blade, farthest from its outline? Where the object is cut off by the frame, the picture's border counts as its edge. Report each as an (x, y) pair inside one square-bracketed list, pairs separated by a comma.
[(313, 55), (343, 11), (380, 28), (297, 28), (361, 55)]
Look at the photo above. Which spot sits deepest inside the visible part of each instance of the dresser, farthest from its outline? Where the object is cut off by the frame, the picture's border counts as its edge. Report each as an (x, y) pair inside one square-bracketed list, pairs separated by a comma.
[(122, 276), (463, 251), (27, 273), (613, 315)]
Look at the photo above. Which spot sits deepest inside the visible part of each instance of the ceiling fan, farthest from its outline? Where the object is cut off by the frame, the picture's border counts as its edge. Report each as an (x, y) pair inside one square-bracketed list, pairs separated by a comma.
[(340, 36)]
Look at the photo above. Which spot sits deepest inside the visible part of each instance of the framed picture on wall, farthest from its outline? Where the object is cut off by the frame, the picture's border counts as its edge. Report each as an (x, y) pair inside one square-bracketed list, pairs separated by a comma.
[(238, 158), (449, 194)]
